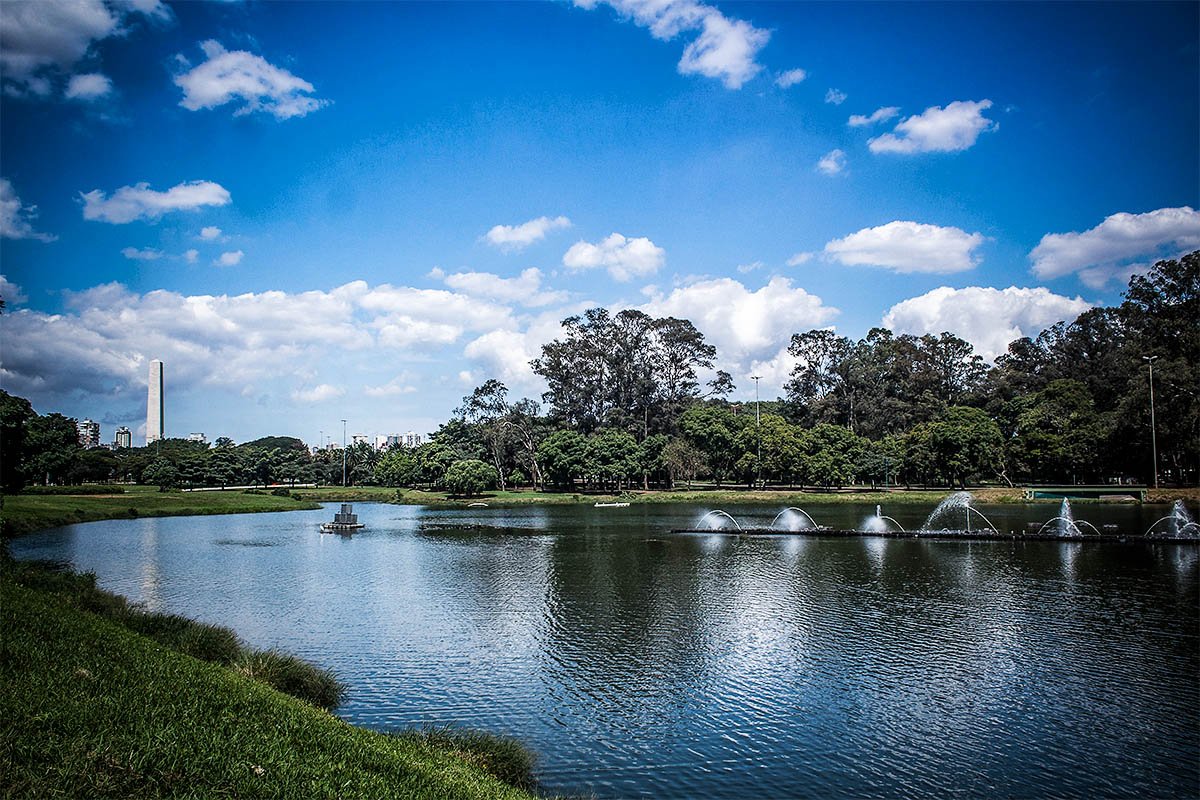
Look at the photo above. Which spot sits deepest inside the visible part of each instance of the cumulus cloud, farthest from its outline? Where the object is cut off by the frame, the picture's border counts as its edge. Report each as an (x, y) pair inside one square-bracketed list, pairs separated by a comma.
[(246, 344), (518, 237), (723, 48), (41, 40), (799, 258), (1118, 247), (229, 259), (16, 220), (987, 318), (832, 162), (524, 289), (623, 258), (318, 394), (190, 256), (879, 115), (139, 201), (937, 130), (145, 254), (227, 76), (401, 384), (91, 86), (210, 232), (744, 324), (790, 78), (908, 247), (11, 292), (835, 96)]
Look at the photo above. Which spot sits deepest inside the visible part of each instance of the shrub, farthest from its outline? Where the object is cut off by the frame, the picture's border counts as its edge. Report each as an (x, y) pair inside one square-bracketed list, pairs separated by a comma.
[(293, 676), (281, 492)]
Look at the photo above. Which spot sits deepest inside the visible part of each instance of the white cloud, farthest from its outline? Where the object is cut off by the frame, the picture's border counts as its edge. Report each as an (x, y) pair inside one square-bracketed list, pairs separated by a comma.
[(91, 86), (835, 96), (748, 268), (145, 254), (318, 394), (832, 162), (39, 40), (937, 130), (799, 258), (16, 220), (505, 356), (190, 256), (1119, 246), (790, 78), (141, 202), (623, 258), (518, 237), (987, 318), (724, 48), (879, 115), (400, 385), (229, 259), (227, 76), (525, 289), (908, 247), (210, 232), (743, 324), (11, 292)]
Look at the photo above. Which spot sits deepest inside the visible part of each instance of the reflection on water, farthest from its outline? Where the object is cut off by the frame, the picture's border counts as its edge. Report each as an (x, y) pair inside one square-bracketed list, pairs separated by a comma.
[(638, 662)]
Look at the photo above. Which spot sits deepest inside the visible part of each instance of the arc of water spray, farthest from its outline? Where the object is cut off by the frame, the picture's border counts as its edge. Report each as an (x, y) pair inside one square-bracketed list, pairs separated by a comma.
[(812, 523), (718, 513)]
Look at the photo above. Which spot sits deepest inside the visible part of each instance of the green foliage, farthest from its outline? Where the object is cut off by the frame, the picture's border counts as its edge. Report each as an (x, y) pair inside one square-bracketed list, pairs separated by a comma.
[(469, 477), (500, 756), (563, 456), (610, 457), (161, 473), (292, 675), (92, 709)]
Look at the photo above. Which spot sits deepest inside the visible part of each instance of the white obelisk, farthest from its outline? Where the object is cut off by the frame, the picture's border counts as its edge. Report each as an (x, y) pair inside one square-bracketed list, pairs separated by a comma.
[(154, 403)]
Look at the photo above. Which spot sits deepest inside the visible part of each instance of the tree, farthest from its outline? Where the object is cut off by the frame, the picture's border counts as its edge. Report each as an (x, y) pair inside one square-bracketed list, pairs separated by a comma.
[(397, 467), (683, 460), (563, 455), (611, 457), (1058, 432), (469, 477), (161, 473), (712, 429), (966, 444), (15, 414), (485, 409), (830, 455), (51, 447)]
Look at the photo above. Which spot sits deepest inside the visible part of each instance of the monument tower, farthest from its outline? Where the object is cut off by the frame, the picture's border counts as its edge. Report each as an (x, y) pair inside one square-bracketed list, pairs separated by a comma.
[(154, 403)]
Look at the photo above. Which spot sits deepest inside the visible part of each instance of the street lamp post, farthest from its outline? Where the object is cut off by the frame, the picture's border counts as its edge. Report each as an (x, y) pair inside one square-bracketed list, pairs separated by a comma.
[(343, 452), (758, 432), (1153, 434)]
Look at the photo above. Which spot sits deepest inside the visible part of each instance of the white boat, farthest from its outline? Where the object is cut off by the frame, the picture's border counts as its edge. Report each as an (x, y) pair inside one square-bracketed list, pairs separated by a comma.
[(610, 505)]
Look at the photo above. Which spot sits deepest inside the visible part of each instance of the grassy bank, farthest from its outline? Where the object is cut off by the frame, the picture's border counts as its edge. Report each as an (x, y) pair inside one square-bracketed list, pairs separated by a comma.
[(24, 513), (90, 708)]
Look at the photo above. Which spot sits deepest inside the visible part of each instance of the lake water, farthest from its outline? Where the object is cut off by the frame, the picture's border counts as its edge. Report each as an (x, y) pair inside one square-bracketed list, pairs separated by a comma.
[(637, 662)]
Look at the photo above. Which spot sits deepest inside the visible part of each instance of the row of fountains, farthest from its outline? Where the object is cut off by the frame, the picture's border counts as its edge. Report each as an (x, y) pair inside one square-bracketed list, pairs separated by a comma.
[(954, 514)]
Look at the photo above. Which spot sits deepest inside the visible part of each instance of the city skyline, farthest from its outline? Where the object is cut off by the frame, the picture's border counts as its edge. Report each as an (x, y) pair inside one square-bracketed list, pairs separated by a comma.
[(372, 237)]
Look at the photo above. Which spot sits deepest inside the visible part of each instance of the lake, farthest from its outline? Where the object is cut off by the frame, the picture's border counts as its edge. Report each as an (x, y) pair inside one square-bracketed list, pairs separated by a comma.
[(637, 662)]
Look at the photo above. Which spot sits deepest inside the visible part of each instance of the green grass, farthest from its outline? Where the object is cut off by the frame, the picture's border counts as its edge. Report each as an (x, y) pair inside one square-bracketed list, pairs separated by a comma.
[(24, 513), (89, 708)]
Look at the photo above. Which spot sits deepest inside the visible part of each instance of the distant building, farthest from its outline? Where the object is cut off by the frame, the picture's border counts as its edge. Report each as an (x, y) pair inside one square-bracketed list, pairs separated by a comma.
[(360, 438), (198, 437), (124, 438), (89, 433), (154, 403), (411, 439), (381, 442)]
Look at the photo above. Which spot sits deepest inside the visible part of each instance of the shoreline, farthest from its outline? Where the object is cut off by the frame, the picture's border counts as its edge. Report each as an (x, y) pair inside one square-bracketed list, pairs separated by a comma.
[(22, 514)]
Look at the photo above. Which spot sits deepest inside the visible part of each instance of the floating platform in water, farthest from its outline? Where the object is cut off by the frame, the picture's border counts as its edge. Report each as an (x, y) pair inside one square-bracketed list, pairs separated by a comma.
[(985, 535), (344, 522)]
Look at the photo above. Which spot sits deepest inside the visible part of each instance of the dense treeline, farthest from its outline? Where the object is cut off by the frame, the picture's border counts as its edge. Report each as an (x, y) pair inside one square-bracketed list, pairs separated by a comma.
[(625, 408)]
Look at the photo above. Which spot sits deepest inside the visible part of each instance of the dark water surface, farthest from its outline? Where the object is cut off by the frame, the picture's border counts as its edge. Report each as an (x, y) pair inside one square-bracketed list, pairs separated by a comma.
[(642, 663)]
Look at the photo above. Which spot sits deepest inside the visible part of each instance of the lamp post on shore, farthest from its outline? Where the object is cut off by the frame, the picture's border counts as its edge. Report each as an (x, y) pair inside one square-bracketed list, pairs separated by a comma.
[(1153, 434), (343, 452), (758, 432)]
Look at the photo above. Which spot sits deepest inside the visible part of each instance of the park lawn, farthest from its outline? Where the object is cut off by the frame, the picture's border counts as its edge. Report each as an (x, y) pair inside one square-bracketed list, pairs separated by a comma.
[(89, 708), (24, 513)]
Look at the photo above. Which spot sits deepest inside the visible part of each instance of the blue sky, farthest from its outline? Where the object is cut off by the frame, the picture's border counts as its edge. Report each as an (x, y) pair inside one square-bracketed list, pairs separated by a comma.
[(313, 211)]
